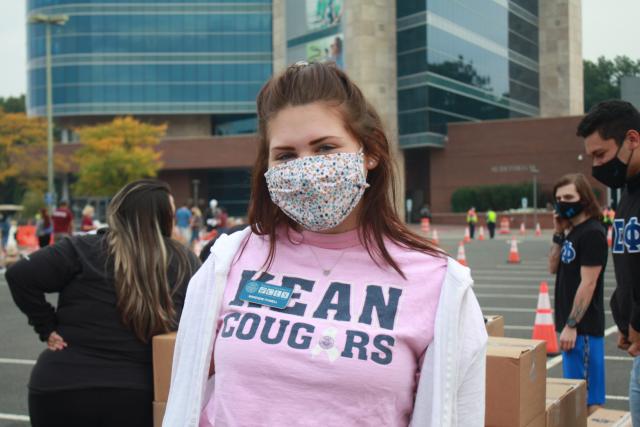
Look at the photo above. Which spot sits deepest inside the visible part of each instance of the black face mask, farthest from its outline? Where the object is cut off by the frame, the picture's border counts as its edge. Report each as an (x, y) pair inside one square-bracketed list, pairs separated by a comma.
[(613, 174), (568, 210)]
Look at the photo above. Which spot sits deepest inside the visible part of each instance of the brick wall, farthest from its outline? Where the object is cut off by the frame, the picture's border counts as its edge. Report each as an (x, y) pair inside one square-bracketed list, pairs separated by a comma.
[(502, 152)]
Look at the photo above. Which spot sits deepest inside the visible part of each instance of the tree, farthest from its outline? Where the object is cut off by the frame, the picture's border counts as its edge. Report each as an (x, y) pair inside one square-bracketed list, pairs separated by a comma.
[(22, 145), (13, 104), (602, 78), (116, 153)]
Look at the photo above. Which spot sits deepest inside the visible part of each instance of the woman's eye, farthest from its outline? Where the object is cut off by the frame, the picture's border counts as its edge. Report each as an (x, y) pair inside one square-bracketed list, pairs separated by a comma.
[(284, 156), (325, 148)]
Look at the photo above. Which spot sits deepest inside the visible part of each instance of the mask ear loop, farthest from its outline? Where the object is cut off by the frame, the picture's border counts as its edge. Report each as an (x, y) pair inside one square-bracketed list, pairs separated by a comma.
[(364, 168), (630, 156)]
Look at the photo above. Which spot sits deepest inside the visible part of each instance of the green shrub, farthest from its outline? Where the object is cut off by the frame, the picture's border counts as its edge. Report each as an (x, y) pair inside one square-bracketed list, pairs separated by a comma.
[(499, 197)]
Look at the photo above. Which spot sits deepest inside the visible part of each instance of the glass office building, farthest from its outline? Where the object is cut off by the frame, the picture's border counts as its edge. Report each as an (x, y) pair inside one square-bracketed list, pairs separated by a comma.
[(464, 60), (195, 64), (152, 57)]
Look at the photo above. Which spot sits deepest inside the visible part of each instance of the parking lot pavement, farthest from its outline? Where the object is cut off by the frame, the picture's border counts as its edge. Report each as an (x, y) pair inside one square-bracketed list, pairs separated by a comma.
[(509, 290), (20, 347)]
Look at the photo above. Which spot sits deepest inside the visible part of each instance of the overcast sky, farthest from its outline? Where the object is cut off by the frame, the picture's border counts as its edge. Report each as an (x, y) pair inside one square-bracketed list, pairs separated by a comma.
[(610, 28)]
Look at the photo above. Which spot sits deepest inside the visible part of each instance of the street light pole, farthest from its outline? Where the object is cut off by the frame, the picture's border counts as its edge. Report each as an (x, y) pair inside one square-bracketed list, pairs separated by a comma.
[(534, 171), (48, 21), (50, 187), (535, 199)]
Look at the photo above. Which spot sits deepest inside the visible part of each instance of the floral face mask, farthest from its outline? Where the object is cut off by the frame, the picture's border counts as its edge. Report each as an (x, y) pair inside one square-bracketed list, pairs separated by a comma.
[(318, 192)]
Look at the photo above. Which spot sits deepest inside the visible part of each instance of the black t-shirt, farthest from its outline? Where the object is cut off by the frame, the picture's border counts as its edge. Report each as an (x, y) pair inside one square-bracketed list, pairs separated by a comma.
[(102, 351), (585, 245), (625, 302)]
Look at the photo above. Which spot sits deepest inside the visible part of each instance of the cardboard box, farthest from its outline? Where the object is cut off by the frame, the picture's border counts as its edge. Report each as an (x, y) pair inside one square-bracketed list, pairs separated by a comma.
[(494, 325), (162, 360), (566, 403), (158, 413), (609, 418), (516, 382)]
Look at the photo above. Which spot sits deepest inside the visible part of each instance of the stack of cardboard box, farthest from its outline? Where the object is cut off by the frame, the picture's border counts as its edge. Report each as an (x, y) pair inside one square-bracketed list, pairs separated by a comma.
[(163, 346), (519, 394)]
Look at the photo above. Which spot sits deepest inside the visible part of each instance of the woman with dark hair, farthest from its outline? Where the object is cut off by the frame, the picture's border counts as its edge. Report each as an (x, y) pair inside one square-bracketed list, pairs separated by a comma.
[(327, 310), (578, 258), (117, 290)]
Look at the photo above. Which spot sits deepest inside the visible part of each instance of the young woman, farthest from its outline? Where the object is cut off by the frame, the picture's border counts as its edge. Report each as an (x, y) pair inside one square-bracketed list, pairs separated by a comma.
[(116, 290), (44, 228), (327, 310), (578, 258)]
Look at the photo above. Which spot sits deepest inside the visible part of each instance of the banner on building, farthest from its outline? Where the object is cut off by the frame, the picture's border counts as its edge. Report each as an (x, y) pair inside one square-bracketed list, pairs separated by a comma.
[(327, 49), (323, 13)]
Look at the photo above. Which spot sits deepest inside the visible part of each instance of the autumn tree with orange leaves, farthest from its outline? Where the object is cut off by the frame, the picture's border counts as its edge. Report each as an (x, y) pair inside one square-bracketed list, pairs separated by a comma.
[(23, 148), (116, 153)]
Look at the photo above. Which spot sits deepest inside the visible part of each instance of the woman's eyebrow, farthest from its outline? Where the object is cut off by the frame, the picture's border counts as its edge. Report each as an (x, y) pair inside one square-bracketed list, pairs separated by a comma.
[(322, 139), (312, 143)]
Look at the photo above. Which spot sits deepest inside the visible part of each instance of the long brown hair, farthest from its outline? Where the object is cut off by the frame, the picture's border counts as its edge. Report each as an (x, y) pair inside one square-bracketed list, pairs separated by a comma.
[(378, 218), (587, 197), (140, 219)]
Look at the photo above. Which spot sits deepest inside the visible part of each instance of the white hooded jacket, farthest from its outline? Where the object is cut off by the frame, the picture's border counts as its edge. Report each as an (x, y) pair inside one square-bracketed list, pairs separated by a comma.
[(451, 389)]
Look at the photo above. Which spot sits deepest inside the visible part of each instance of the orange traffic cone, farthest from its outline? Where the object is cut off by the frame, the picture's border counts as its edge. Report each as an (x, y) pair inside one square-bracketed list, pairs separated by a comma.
[(538, 230), (481, 233), (543, 328), (523, 230), (434, 237), (462, 257), (425, 225), (610, 236), (514, 255), (504, 226), (467, 235)]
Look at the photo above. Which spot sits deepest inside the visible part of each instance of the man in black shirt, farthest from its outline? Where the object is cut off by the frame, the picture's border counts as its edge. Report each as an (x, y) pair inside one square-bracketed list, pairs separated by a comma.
[(578, 257), (611, 132)]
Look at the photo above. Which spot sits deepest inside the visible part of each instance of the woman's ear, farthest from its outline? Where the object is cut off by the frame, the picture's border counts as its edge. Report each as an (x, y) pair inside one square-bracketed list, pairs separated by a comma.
[(370, 162)]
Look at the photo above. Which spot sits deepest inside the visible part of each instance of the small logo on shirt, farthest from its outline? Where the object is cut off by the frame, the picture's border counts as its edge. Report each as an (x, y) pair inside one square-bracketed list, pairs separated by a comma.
[(568, 252), (327, 344)]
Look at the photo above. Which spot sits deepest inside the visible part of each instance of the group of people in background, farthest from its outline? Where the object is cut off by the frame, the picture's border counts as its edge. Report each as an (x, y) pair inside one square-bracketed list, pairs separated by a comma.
[(193, 227), (60, 224), (472, 221)]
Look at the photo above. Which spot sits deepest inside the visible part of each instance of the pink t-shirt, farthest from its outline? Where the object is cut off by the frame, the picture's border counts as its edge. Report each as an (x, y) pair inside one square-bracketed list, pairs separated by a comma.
[(345, 351)]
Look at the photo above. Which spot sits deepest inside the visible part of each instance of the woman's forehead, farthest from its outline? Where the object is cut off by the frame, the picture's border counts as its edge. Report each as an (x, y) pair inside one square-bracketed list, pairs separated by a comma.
[(299, 125), (566, 190)]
